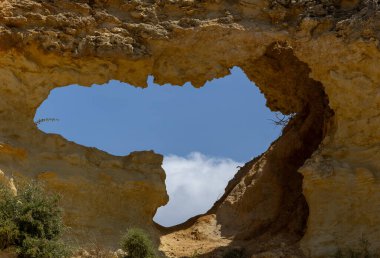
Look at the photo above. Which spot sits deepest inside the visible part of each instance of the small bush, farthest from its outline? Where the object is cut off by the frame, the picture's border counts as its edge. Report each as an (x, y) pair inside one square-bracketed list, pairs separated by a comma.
[(234, 253), (43, 248), (137, 244), (31, 222), (9, 233)]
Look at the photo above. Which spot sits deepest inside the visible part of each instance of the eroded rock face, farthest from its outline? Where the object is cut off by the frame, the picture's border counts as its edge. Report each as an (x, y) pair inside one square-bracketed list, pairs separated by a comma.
[(102, 195), (317, 59)]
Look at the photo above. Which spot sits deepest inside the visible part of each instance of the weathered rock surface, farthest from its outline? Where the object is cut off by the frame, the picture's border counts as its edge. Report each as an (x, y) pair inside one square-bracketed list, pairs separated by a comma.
[(318, 59)]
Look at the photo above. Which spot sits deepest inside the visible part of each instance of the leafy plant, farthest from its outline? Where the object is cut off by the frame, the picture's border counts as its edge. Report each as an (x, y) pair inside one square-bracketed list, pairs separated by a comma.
[(137, 244), (43, 248), (32, 222), (8, 233)]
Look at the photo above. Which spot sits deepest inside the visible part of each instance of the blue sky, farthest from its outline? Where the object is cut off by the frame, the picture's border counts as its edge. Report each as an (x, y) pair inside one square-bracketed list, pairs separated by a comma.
[(204, 133)]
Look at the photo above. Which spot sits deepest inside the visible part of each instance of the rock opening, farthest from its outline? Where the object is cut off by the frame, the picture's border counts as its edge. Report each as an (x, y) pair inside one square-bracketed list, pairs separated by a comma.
[(204, 134), (263, 206), (49, 44)]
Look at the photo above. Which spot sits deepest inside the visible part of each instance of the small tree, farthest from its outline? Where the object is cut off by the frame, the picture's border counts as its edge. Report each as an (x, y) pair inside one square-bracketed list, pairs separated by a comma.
[(137, 244), (32, 222)]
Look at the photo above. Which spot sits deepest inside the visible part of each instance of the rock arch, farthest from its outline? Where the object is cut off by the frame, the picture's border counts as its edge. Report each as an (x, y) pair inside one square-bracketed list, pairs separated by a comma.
[(317, 59)]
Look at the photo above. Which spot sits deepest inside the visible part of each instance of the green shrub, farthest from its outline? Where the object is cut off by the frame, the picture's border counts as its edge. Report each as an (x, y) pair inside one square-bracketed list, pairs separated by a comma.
[(31, 222), (234, 253), (137, 244), (43, 248), (8, 233)]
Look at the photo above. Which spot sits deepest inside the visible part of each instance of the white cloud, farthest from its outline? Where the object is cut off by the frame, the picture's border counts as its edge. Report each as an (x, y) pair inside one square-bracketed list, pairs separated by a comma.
[(193, 183)]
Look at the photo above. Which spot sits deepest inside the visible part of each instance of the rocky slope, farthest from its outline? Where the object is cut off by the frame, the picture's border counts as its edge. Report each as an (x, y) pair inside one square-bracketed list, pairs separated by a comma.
[(315, 190)]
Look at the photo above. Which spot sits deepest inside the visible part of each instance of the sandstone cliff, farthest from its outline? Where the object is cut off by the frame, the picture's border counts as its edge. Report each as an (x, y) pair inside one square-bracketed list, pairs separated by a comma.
[(314, 190)]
